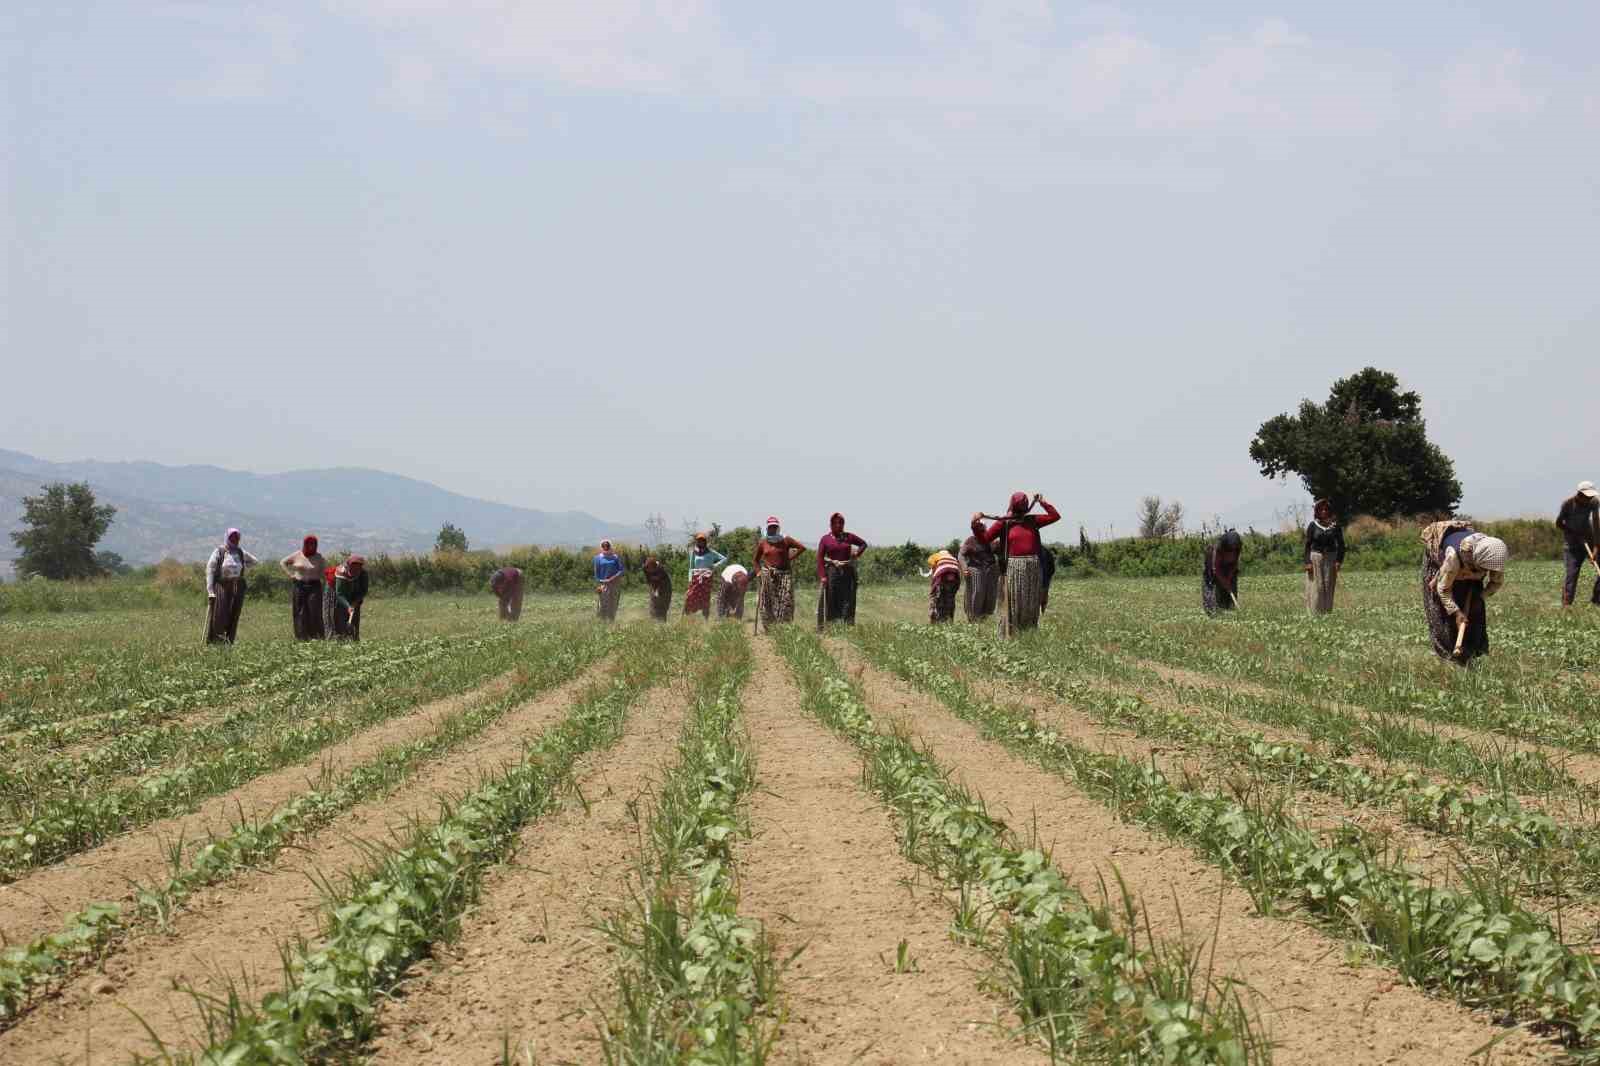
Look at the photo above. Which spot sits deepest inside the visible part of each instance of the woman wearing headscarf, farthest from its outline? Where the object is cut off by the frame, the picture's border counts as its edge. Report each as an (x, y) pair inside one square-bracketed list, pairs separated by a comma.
[(1579, 522), (944, 579), (837, 580), (1461, 568), (506, 584), (349, 593), (730, 600), (225, 589), (660, 585), (1323, 557), (703, 563), (305, 568), (608, 571), (774, 553), (1219, 578), (1018, 537), (982, 578)]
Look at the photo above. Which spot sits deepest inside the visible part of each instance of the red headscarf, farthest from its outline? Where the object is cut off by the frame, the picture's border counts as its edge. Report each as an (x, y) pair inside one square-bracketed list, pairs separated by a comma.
[(836, 517), (309, 545), (1019, 502)]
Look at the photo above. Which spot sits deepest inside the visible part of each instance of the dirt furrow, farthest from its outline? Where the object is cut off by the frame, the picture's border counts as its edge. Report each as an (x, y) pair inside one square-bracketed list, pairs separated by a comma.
[(824, 874), (235, 931), (1314, 1003), (532, 971), (39, 902)]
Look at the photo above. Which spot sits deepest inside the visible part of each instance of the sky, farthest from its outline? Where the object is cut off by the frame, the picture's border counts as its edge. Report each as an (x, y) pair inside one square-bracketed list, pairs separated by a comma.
[(720, 260)]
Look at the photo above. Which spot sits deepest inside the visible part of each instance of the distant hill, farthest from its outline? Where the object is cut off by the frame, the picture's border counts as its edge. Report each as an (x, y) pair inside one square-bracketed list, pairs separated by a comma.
[(182, 511)]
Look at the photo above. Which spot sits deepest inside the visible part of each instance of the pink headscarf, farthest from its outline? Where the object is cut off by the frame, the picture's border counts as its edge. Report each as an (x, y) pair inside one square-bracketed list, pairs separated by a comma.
[(233, 535)]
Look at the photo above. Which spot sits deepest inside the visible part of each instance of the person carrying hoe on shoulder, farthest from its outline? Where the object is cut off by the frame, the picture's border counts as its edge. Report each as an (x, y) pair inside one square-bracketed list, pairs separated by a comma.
[(1021, 575)]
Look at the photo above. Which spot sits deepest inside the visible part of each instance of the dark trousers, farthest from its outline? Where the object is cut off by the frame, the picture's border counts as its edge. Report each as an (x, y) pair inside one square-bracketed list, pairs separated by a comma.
[(305, 608), (347, 625), (842, 594), (222, 611), (511, 604), (1577, 558), (942, 602)]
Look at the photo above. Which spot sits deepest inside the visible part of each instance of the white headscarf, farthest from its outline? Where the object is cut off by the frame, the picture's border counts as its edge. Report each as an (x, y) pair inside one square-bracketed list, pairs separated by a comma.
[(1488, 553)]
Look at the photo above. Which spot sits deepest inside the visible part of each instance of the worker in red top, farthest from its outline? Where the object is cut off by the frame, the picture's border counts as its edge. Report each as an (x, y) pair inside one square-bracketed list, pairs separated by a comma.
[(1021, 579), (837, 552)]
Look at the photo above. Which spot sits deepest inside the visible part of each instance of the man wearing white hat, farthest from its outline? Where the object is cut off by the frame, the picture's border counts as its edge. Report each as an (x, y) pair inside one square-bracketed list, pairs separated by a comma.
[(1579, 522)]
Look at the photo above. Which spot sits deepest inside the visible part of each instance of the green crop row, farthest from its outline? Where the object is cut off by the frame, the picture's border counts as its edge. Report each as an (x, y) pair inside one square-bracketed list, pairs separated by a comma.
[(1078, 978), (698, 972), (1541, 850), (66, 824), (1474, 943), (414, 894), (90, 933)]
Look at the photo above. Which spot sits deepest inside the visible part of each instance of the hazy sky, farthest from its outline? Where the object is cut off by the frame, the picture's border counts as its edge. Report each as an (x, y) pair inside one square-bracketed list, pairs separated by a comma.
[(720, 259)]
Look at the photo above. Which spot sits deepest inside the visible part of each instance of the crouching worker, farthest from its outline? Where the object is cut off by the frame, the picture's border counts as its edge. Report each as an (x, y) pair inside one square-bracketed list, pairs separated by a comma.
[(735, 583), (349, 593), (944, 579), (506, 584), (1460, 569), (1219, 579), (660, 584)]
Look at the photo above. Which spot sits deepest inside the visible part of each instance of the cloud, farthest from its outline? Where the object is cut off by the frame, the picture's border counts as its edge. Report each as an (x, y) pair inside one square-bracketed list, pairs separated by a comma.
[(1489, 85), (245, 51)]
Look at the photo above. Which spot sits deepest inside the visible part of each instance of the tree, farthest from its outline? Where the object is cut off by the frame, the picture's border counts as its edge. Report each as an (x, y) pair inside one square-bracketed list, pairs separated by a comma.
[(111, 563), (451, 539), (1156, 521), (60, 529), (1366, 450)]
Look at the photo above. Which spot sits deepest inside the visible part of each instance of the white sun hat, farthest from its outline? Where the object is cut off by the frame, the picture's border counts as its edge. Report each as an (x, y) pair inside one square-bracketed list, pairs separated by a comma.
[(1586, 488)]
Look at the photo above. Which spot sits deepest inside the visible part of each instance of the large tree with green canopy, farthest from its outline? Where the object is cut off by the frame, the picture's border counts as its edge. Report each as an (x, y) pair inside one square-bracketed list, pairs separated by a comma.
[(1365, 449), (60, 528)]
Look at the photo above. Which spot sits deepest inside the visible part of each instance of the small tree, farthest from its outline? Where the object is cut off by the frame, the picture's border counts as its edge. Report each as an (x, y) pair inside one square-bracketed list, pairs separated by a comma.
[(1366, 450), (1157, 521), (451, 539), (60, 529)]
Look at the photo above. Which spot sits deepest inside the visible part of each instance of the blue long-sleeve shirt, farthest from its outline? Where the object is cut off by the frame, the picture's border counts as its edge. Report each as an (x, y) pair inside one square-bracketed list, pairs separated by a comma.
[(605, 568), (710, 559)]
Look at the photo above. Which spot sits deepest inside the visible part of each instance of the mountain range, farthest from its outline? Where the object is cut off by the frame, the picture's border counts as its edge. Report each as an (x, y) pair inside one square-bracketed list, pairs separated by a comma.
[(181, 512)]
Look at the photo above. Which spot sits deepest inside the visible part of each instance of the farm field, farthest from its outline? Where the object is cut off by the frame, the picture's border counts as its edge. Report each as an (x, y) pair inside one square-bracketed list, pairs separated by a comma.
[(1136, 835)]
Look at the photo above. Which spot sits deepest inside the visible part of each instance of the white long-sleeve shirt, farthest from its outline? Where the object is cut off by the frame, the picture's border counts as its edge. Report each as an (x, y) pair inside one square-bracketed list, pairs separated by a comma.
[(214, 565)]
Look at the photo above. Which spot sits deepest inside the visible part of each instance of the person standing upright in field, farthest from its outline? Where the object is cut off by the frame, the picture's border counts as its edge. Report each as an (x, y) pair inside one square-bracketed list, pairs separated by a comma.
[(1461, 568), (983, 572), (305, 568), (1018, 535), (774, 553), (944, 579), (660, 585), (608, 571), (506, 584), (837, 579), (1219, 575), (703, 563), (1579, 522), (225, 589), (1323, 557), (349, 593)]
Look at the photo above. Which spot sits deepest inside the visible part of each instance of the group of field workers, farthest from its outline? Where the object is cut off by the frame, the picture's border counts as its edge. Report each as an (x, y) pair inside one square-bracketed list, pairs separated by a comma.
[(325, 601)]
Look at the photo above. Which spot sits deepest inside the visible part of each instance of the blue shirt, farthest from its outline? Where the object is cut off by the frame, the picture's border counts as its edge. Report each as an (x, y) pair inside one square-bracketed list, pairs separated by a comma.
[(607, 568), (709, 561)]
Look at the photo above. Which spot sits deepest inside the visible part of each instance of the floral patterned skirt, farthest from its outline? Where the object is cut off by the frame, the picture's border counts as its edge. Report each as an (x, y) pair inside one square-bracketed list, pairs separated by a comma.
[(698, 598)]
